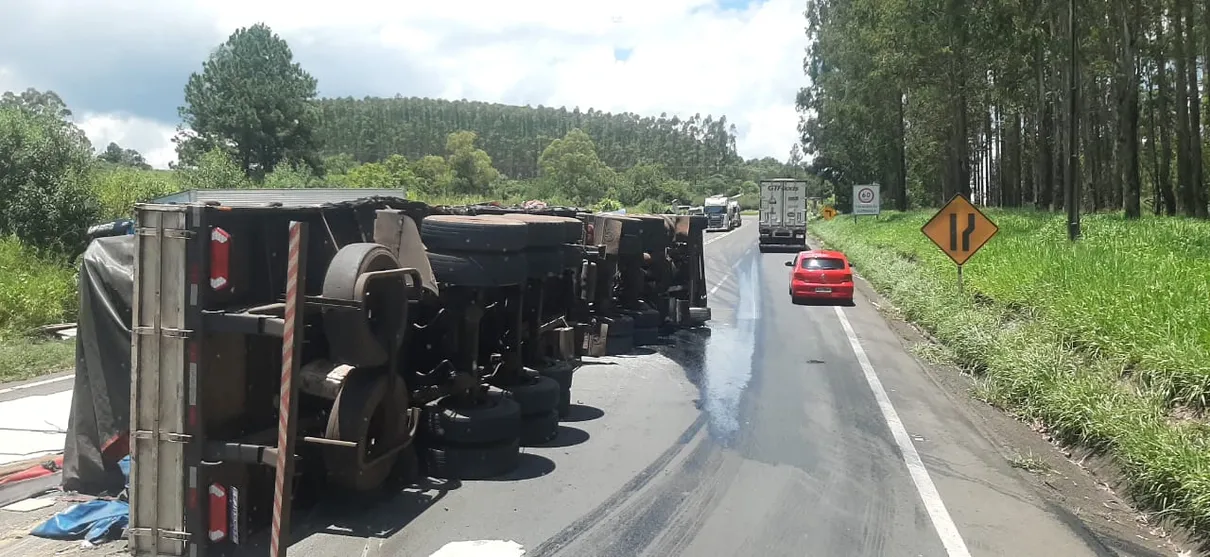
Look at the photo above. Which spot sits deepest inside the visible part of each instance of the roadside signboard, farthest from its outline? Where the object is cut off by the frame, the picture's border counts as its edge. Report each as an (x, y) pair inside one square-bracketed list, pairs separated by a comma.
[(960, 229), (828, 213), (867, 200)]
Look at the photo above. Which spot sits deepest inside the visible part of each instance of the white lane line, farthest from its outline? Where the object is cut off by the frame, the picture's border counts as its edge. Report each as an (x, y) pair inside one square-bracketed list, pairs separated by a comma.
[(942, 522), (728, 275), (721, 236), (36, 384)]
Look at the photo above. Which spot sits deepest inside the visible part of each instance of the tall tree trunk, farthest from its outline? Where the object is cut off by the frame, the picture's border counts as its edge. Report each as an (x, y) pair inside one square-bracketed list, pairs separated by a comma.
[(901, 193), (989, 189), (959, 156), (1184, 167), (1013, 188), (1128, 115), (1001, 161), (1153, 134), (1165, 134), (1043, 145), (1196, 172), (1093, 132)]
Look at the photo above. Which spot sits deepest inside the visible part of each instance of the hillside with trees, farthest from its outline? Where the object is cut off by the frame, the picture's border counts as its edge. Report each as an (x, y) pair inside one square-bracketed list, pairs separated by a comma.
[(372, 129), (975, 98)]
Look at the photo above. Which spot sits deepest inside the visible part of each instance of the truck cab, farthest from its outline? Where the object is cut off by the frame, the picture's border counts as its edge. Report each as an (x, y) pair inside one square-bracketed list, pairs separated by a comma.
[(722, 213)]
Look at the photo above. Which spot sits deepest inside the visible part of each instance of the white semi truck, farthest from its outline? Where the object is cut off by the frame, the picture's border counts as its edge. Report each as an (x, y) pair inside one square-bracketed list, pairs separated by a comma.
[(722, 213), (783, 214)]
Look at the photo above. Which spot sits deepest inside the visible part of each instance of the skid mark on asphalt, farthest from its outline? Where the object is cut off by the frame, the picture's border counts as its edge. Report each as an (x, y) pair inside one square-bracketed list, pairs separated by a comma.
[(585, 524), (668, 514), (943, 523)]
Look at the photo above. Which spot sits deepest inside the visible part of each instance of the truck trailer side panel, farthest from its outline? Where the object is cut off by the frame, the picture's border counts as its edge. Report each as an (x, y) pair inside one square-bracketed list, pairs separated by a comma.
[(783, 210), (159, 387)]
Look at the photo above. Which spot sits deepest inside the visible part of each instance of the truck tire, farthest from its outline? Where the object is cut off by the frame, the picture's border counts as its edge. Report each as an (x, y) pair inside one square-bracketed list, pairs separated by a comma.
[(647, 324), (486, 233), (630, 244), (620, 338), (477, 462), (646, 336), (544, 262), (620, 325), (573, 231), (573, 256), (539, 428), (358, 338), (536, 395), (479, 270), (562, 374), (645, 318), (545, 231), (451, 420), (367, 412)]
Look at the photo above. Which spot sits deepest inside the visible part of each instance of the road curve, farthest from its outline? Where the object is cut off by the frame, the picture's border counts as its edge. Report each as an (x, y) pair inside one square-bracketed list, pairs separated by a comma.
[(822, 436), (778, 430)]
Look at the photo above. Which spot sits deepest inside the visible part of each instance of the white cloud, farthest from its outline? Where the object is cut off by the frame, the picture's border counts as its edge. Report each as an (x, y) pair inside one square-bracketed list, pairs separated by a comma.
[(687, 56), (152, 139)]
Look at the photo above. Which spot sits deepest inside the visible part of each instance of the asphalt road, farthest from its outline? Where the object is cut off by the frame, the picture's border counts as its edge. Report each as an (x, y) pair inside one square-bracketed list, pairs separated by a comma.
[(780, 430)]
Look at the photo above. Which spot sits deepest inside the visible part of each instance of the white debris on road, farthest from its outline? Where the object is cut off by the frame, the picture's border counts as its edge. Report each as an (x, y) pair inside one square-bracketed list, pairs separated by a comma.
[(481, 548), (33, 426)]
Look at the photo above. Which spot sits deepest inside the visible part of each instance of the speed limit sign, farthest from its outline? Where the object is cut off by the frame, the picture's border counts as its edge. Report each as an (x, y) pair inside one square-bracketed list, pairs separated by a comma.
[(866, 200)]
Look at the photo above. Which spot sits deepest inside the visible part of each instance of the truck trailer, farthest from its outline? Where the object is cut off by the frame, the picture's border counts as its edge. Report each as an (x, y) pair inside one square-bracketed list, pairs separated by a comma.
[(783, 214), (347, 344)]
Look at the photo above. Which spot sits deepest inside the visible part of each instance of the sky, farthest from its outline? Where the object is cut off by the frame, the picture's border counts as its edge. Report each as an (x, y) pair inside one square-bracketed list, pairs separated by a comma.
[(122, 66)]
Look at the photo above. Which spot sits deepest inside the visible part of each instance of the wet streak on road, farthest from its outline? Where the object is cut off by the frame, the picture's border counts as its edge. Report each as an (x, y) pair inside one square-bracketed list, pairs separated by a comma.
[(729, 356), (795, 454)]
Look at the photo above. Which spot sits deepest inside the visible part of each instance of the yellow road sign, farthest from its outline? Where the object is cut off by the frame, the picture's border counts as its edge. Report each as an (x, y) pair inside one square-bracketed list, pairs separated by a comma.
[(959, 229), (828, 213)]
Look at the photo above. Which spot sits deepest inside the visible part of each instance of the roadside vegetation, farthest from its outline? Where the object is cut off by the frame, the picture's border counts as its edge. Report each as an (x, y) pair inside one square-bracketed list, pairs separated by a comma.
[(1105, 341), (54, 183)]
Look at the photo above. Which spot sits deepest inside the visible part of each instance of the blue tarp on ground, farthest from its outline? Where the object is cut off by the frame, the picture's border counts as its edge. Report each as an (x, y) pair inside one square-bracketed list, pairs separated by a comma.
[(96, 521)]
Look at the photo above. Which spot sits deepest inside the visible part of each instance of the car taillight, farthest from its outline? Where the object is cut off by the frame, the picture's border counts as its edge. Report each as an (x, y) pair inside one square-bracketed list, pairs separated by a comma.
[(220, 259)]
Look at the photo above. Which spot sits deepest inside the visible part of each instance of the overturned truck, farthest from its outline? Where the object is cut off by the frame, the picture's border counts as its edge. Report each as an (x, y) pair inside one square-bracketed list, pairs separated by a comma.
[(343, 345)]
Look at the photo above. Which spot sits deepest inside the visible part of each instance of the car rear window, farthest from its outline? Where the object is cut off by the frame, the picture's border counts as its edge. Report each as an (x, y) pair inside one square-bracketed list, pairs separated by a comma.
[(822, 264)]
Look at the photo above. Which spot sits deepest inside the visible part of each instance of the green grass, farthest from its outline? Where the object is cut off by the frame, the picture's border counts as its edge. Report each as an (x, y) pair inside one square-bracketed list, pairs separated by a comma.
[(1106, 341), (33, 292), (22, 358)]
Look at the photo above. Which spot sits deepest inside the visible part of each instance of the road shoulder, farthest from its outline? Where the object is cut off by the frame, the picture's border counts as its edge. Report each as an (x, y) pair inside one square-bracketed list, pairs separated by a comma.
[(1075, 491)]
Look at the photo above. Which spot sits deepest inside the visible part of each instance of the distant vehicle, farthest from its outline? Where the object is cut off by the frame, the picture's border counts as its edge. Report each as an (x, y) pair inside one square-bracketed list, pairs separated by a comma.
[(722, 213), (783, 214), (821, 275)]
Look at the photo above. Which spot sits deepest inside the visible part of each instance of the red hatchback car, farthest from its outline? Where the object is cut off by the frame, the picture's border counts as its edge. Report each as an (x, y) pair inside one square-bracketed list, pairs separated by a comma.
[(821, 275)]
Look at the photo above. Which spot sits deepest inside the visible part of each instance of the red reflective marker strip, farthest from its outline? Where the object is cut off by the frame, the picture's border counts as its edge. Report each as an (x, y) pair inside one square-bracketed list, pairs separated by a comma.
[(287, 369)]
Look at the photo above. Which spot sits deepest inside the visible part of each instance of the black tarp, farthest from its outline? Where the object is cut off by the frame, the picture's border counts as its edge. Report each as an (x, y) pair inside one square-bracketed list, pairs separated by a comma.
[(97, 436)]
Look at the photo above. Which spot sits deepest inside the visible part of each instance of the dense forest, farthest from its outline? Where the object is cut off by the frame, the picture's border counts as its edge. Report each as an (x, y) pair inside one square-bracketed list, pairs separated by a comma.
[(372, 129), (975, 98)]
